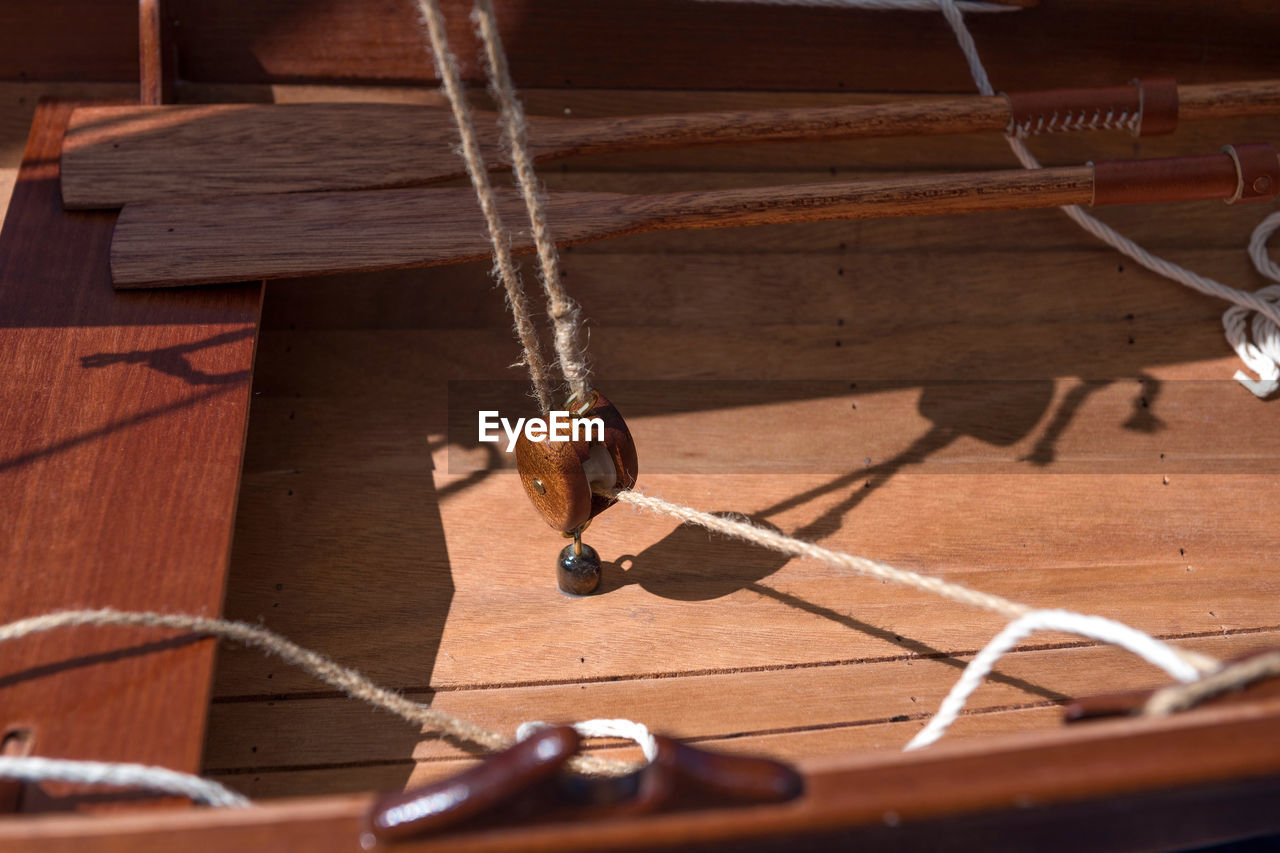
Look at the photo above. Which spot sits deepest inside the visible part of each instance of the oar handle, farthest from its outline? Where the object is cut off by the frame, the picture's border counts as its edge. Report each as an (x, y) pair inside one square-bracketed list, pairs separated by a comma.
[(291, 234), (968, 114), (1144, 107), (1247, 172), (1244, 172)]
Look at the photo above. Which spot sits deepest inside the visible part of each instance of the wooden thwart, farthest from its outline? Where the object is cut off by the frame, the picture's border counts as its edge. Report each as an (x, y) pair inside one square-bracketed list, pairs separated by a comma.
[(117, 155)]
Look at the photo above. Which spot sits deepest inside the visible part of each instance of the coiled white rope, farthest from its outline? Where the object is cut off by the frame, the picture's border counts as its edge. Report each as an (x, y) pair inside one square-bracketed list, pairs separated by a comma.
[(1262, 355)]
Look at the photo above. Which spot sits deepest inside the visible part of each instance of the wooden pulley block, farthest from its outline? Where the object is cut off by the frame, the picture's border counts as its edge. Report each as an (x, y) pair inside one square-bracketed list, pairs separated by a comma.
[(564, 478)]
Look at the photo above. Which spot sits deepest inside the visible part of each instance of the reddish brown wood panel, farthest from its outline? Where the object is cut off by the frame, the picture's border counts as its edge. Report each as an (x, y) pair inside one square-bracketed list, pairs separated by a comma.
[(654, 44), (677, 43), (122, 422), (69, 40)]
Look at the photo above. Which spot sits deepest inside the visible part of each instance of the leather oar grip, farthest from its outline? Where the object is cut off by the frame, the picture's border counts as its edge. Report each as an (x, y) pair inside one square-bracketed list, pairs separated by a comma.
[(1144, 108), (1247, 172)]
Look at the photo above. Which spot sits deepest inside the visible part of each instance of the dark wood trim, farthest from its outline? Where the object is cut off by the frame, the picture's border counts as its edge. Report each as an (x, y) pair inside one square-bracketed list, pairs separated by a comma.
[(656, 44)]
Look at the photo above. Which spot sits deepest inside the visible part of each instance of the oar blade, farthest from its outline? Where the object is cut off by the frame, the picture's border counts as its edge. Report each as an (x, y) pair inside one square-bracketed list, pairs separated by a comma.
[(119, 155), (244, 238)]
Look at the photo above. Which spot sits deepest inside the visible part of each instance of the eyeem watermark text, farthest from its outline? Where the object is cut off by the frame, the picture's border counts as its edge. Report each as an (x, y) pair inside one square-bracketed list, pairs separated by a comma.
[(558, 426)]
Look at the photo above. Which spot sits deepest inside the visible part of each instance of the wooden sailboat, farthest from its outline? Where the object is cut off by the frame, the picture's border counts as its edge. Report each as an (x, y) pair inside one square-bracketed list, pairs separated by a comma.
[(996, 400)]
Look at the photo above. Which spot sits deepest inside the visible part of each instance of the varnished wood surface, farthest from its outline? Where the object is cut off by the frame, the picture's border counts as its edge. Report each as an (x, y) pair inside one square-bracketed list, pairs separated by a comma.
[(1120, 785), (1099, 542), (17, 106), (122, 421), (728, 166), (963, 291), (119, 155), (284, 235), (790, 163), (116, 155), (1123, 473)]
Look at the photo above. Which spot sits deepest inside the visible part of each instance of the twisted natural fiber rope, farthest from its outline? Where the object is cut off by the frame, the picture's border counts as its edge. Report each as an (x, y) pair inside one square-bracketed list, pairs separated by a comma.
[(784, 544), (347, 680), (1181, 697), (566, 317), (499, 240)]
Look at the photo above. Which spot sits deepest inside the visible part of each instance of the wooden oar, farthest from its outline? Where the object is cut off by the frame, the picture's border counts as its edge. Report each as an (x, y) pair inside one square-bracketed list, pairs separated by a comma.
[(240, 238), (116, 155)]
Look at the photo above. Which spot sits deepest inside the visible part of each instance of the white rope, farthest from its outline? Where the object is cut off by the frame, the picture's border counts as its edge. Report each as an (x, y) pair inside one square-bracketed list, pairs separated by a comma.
[(120, 775), (879, 5), (1094, 627), (955, 18), (1263, 355), (624, 729)]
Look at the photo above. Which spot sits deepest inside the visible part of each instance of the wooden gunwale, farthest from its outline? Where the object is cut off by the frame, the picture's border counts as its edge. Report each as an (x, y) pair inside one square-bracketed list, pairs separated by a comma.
[(1208, 757)]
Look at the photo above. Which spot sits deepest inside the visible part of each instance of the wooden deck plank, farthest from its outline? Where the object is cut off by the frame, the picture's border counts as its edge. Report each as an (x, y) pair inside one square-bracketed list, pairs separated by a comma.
[(745, 707), (1129, 546), (725, 606), (123, 421), (792, 746), (1103, 480)]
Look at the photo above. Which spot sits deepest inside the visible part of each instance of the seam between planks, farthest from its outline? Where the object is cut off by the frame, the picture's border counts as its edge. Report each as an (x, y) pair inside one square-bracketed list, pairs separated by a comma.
[(657, 676), (711, 738)]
